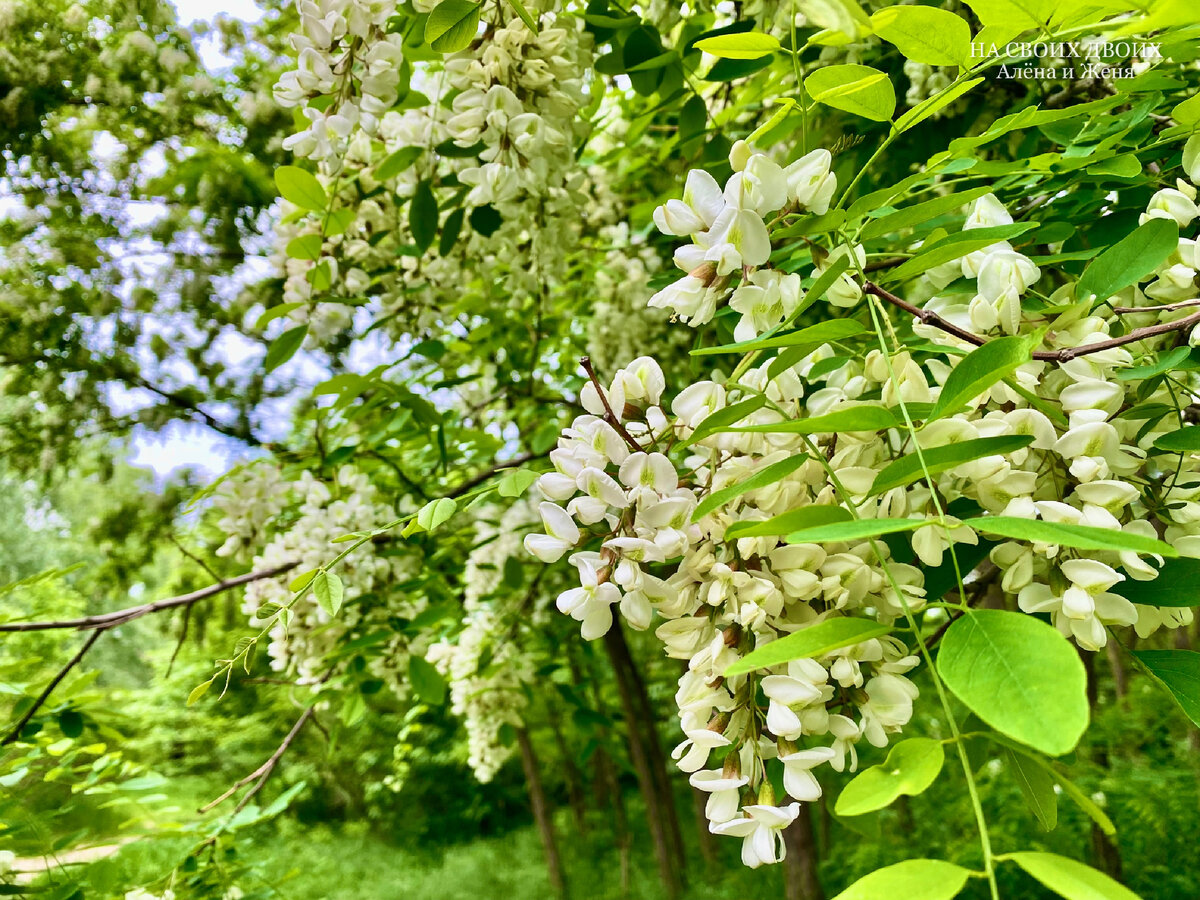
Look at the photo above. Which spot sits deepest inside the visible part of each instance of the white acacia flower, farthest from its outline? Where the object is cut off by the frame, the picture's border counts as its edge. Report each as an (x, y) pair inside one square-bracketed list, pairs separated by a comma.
[(760, 828), (722, 790)]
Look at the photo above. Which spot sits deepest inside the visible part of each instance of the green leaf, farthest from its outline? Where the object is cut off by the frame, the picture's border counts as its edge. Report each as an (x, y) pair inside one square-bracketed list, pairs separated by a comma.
[(925, 34), (913, 879), (1081, 537), (1188, 111), (303, 580), (328, 590), (747, 45), (275, 312), (855, 89), (911, 767), (452, 25), (814, 336), (858, 530), (70, 722), (300, 187), (931, 105), (435, 512), (1070, 879), (726, 415), (306, 246), (1129, 260), (423, 216), (1179, 672), (980, 369), (397, 163), (804, 517), (955, 246), (1182, 440), (1019, 675), (1037, 787), (1177, 584), (427, 682), (923, 212), (860, 417), (811, 640), (768, 476), (529, 21), (284, 347), (516, 482), (908, 469), (198, 691)]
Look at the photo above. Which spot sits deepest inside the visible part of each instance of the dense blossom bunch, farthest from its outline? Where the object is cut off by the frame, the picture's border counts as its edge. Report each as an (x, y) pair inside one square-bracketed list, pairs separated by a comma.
[(720, 598), (729, 236), (317, 513), (345, 54), (659, 491)]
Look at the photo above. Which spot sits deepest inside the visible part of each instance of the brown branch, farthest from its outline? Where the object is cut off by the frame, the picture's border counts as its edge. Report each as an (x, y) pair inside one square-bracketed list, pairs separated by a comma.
[(929, 317), (609, 415), (54, 682), (121, 616), (1166, 307), (263, 772)]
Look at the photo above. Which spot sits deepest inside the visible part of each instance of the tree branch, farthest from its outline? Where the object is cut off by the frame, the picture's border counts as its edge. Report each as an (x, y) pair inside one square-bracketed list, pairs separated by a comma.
[(263, 772), (609, 415), (929, 317), (121, 616), (488, 473), (54, 682)]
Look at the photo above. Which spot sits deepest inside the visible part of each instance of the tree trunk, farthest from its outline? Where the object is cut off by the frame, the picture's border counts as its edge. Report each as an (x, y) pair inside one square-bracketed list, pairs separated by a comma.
[(1120, 682), (800, 865), (573, 778), (618, 653), (708, 850), (541, 814), (1106, 853), (607, 781)]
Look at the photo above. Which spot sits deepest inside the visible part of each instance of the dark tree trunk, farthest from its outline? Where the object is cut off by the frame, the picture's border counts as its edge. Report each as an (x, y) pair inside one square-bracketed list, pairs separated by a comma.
[(640, 755), (708, 849), (1106, 853), (541, 814), (572, 777), (800, 865), (607, 782), (1117, 665)]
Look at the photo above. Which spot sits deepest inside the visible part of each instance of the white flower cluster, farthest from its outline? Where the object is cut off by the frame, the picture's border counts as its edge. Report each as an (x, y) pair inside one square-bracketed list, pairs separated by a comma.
[(1002, 276), (344, 55), (722, 598), (317, 512), (924, 81), (730, 237)]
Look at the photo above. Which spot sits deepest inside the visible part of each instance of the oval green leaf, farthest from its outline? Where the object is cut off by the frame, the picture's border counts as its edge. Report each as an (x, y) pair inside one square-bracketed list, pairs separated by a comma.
[(925, 34), (803, 518), (934, 460), (1070, 879), (855, 89), (452, 25), (300, 187), (1179, 672), (329, 592), (1129, 260), (980, 369), (913, 879), (1177, 584), (911, 767), (768, 476), (1182, 440), (284, 347), (862, 417), (813, 640), (1081, 537), (747, 45), (1019, 675), (858, 530)]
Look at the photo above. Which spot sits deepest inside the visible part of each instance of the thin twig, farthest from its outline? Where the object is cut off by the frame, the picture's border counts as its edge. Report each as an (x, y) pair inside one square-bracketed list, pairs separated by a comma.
[(121, 616), (193, 557), (609, 415), (54, 682), (479, 479), (1167, 307), (929, 317), (263, 772)]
